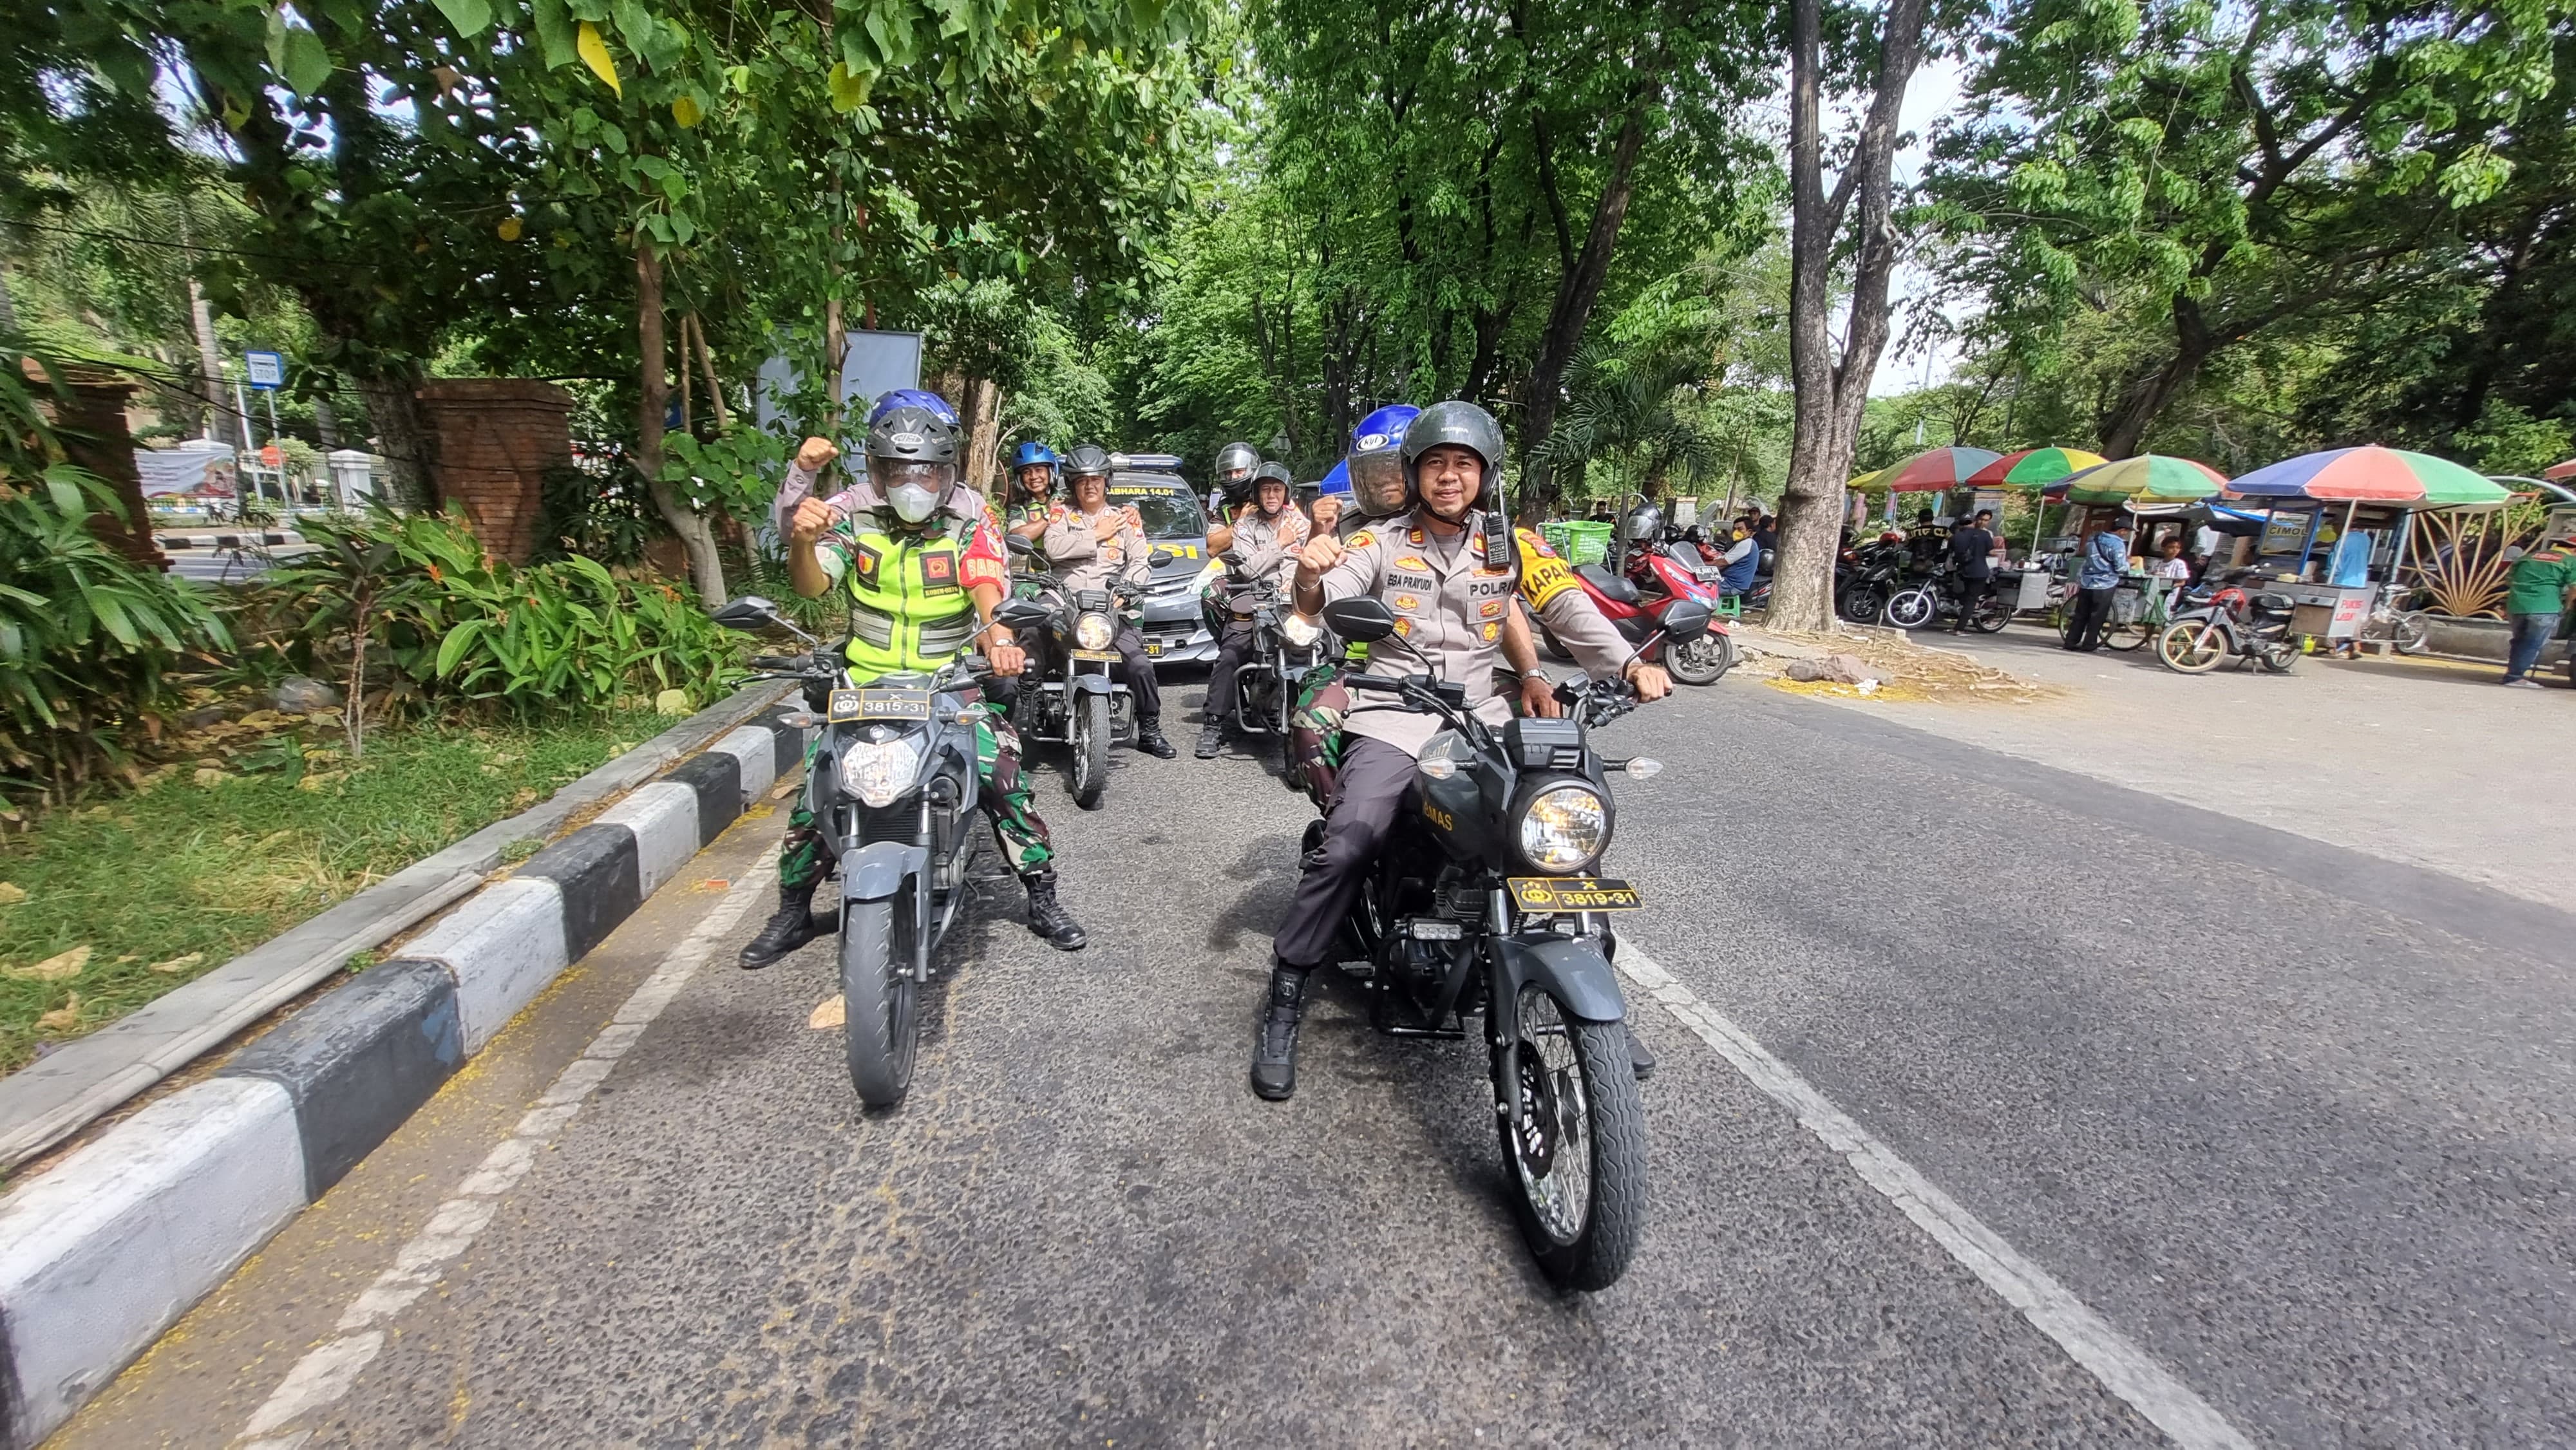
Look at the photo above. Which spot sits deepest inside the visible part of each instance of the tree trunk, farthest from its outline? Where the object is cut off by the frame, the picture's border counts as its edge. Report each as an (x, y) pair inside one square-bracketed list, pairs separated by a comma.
[(836, 335), (326, 422), (8, 309), (1831, 390), (715, 385), (2145, 401), (705, 569), (1580, 287), (688, 378), (983, 435), (210, 368), (401, 440)]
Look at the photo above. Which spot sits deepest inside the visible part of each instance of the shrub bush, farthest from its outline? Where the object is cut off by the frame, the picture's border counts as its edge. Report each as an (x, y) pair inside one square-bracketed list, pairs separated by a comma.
[(87, 637), (425, 612)]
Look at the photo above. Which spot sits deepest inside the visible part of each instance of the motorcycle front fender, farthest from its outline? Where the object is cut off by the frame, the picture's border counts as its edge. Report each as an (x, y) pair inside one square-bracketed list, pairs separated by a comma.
[(1571, 968), (878, 871), (1092, 685)]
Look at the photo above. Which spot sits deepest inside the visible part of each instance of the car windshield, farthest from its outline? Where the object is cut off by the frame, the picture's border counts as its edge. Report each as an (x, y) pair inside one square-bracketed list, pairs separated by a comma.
[(1168, 513)]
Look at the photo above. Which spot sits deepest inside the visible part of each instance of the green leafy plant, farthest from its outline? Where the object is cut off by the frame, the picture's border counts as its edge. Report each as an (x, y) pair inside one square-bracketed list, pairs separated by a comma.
[(445, 621), (87, 637)]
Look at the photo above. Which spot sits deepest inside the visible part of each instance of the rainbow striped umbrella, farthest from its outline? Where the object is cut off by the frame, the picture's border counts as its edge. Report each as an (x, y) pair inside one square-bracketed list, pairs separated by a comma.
[(1934, 470), (2146, 478), (2372, 475), (2034, 468)]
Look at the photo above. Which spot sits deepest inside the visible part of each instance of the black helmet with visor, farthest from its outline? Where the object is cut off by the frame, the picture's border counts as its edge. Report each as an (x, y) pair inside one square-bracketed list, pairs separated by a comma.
[(1455, 424), (912, 460)]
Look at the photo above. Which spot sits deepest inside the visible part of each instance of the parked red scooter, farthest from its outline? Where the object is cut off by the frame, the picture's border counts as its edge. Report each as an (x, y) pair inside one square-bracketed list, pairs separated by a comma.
[(1637, 603)]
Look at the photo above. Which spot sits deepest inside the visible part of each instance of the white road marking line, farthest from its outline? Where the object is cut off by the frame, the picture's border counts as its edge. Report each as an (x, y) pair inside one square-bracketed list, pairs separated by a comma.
[(327, 1371), (2124, 1368)]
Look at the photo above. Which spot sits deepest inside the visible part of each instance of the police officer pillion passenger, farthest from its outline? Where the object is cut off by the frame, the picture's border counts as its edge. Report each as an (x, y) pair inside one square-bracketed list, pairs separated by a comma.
[(1260, 543), (1091, 544), (1428, 566), (1032, 490), (921, 565), (1236, 464)]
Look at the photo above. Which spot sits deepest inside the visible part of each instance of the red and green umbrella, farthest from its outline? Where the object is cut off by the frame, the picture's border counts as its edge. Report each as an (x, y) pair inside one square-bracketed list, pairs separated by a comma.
[(2146, 478), (2034, 468), (1934, 470), (2372, 475)]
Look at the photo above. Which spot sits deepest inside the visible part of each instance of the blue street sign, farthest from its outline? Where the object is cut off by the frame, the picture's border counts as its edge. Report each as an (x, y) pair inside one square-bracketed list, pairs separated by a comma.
[(267, 370)]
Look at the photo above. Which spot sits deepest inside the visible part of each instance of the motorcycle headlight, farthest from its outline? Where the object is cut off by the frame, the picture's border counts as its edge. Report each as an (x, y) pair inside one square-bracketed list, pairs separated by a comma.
[(1092, 631), (1564, 829), (1300, 631), (878, 772)]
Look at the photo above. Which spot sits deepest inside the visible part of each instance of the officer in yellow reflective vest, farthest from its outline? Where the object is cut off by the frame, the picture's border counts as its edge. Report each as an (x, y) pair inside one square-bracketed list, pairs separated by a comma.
[(922, 563)]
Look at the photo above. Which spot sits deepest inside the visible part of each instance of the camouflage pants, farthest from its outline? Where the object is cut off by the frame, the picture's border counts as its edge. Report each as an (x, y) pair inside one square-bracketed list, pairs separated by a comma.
[(1315, 731), (1008, 802)]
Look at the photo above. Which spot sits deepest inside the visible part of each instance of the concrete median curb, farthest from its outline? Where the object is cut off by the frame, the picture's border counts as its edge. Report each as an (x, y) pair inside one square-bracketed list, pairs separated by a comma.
[(102, 1254)]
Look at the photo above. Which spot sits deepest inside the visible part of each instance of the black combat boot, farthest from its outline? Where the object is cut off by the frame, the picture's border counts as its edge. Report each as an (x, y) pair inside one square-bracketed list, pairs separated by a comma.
[(1638, 1055), (790, 927), (1211, 739), (1049, 919), (1274, 1040), (1149, 738)]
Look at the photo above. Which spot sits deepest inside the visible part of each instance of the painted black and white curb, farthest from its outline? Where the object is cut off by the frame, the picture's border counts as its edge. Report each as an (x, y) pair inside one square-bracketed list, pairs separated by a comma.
[(103, 1253)]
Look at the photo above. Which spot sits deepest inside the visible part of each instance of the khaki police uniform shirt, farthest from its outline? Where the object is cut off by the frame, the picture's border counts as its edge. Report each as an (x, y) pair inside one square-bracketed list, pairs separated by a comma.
[(1451, 607), (1267, 548), (1084, 560)]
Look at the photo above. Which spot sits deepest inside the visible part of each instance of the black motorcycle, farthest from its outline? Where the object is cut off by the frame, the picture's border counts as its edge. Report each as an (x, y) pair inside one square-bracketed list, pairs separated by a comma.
[(1285, 645), (892, 788), (1877, 575), (1484, 901), (1068, 695)]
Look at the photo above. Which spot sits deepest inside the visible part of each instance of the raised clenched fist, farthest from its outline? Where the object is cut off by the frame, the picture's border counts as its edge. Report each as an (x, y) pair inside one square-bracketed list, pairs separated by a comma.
[(1322, 553), (816, 454), (813, 518)]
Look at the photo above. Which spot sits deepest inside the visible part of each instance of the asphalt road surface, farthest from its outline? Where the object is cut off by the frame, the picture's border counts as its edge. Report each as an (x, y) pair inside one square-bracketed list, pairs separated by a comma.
[(2271, 1140)]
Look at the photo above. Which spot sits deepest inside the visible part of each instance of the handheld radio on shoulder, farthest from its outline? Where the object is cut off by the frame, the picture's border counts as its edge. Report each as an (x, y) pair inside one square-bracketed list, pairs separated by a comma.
[(1498, 540)]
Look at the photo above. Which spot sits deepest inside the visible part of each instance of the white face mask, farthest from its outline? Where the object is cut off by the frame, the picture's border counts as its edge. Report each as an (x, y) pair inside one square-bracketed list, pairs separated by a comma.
[(914, 503)]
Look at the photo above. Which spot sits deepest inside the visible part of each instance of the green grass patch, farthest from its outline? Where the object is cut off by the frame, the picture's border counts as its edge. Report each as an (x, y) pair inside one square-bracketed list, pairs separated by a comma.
[(171, 881)]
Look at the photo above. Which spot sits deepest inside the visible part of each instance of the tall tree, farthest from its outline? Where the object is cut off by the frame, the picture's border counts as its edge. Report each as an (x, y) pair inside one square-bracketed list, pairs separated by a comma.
[(1833, 384), (2222, 173)]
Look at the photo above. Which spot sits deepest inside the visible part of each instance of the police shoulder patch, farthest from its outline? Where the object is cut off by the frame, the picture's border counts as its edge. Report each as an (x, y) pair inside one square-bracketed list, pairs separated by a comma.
[(1362, 539)]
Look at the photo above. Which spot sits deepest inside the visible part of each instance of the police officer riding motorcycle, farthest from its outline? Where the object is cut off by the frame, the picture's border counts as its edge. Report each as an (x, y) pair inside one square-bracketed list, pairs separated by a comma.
[(1449, 573), (1259, 548), (922, 569), (1092, 544)]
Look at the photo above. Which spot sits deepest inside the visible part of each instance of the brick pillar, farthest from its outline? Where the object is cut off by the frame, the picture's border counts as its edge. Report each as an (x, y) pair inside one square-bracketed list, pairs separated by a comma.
[(91, 424), (494, 440)]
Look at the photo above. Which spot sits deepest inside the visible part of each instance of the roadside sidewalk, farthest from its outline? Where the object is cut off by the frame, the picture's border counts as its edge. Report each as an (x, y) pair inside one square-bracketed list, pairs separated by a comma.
[(2423, 761)]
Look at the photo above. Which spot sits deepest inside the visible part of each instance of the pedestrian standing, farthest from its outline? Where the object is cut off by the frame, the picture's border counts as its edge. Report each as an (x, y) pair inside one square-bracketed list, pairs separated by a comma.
[(1972, 563), (2098, 572), (2536, 596)]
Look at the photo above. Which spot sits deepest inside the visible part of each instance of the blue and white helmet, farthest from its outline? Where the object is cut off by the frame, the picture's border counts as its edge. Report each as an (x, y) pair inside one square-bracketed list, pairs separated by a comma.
[(1377, 460)]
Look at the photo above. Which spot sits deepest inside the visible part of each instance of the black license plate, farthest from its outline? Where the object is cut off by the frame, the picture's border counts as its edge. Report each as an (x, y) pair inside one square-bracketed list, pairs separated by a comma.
[(880, 705), (1573, 893)]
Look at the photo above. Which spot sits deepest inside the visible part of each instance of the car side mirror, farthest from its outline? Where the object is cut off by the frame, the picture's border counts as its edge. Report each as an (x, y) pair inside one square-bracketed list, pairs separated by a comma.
[(1363, 620), (1685, 620), (1019, 614), (1019, 543), (746, 612)]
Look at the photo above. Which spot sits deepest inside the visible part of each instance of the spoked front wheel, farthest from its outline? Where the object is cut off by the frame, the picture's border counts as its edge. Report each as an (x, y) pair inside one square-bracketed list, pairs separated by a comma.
[(1090, 740), (1578, 1156), (1991, 615), (2192, 646), (1912, 609), (2409, 631), (880, 1000)]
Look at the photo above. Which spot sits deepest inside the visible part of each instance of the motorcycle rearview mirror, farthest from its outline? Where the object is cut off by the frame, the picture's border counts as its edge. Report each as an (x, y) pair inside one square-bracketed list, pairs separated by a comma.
[(1360, 619), (1159, 557), (1019, 543), (1019, 614), (746, 611), (1685, 620)]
